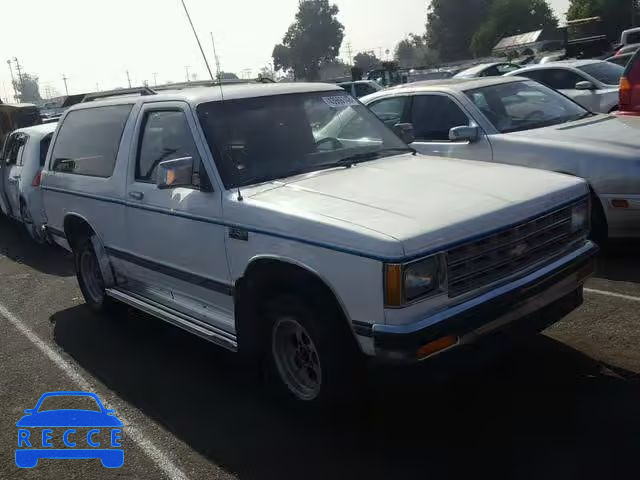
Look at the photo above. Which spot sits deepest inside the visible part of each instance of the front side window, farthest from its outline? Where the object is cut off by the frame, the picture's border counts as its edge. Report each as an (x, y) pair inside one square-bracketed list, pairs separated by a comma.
[(434, 115), (88, 141), (260, 139), (605, 72), (518, 106), (389, 110), (165, 136)]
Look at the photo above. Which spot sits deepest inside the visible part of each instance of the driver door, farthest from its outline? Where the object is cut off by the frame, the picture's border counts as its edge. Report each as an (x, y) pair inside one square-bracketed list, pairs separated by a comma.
[(12, 170)]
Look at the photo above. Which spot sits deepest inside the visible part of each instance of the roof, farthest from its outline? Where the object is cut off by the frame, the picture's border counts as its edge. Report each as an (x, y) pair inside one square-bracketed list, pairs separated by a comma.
[(559, 63), (520, 40), (196, 96), (39, 130)]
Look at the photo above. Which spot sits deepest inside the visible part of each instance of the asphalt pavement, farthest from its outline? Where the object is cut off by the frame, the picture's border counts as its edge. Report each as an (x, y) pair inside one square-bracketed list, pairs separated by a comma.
[(563, 404)]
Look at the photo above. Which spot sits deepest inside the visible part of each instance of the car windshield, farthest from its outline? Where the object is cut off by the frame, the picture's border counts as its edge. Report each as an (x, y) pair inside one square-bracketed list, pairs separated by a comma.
[(524, 105), (260, 139), (605, 72), (69, 402)]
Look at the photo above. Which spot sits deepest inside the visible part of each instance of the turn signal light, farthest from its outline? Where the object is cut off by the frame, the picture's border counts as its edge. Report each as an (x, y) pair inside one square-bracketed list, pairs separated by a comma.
[(393, 285), (625, 93), (436, 346), (619, 203)]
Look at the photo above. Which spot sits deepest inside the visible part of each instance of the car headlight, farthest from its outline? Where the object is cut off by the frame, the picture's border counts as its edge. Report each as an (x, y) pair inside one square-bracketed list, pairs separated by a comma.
[(406, 283), (580, 218)]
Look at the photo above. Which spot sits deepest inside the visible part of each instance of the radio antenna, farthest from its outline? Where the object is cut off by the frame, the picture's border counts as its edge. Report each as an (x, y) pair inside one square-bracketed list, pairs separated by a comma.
[(197, 39)]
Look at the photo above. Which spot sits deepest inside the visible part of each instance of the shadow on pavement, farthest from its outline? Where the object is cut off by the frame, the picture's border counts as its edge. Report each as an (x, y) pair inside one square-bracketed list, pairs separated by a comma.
[(619, 261), (544, 411), (16, 244)]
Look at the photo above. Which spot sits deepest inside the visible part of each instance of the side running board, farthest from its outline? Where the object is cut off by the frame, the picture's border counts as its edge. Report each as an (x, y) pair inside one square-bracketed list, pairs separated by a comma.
[(190, 324)]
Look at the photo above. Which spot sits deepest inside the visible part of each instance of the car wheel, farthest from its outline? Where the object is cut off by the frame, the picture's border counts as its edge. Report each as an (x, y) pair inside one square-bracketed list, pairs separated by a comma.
[(90, 277), (313, 361), (29, 225)]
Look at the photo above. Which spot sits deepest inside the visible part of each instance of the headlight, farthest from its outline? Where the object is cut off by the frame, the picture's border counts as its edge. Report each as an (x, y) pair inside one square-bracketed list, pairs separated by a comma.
[(580, 218), (409, 282)]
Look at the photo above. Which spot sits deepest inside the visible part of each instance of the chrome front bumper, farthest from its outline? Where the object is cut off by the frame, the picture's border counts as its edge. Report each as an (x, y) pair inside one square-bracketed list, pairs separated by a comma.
[(550, 292)]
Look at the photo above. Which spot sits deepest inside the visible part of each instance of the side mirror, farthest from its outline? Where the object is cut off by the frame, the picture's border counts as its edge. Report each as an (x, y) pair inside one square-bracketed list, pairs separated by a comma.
[(585, 85), (464, 134), (175, 173), (29, 411), (405, 132), (109, 411)]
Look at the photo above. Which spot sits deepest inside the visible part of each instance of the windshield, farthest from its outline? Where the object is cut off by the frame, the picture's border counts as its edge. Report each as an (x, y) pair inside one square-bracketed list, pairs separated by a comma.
[(69, 402), (260, 139), (525, 105), (605, 72)]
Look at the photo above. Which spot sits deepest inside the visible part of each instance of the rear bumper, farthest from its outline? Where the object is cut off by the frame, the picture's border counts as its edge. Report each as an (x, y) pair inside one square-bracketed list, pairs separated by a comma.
[(537, 301)]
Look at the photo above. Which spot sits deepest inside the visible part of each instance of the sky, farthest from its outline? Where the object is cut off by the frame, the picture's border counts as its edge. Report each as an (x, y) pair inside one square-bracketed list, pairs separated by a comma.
[(94, 43)]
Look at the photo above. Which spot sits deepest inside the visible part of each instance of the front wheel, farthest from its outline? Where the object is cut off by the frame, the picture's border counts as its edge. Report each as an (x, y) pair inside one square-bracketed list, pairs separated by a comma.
[(90, 277), (313, 360)]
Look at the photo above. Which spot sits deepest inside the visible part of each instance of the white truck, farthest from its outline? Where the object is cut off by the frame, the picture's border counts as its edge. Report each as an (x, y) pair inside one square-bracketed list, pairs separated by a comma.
[(228, 214)]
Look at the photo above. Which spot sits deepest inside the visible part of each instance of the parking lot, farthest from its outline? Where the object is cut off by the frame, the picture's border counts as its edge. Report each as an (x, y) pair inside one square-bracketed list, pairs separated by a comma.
[(560, 405)]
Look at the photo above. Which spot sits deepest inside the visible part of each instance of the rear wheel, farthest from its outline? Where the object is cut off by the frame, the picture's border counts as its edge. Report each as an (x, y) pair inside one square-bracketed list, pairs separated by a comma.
[(313, 360), (90, 277)]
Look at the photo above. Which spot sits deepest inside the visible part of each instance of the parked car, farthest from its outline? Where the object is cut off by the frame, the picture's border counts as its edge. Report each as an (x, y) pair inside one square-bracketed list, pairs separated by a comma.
[(228, 215), (360, 88), (494, 69), (521, 122), (552, 57), (628, 49), (591, 83), (22, 160), (630, 37), (630, 87), (621, 60)]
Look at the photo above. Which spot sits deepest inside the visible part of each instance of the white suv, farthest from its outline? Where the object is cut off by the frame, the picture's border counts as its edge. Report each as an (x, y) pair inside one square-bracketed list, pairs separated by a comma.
[(227, 214)]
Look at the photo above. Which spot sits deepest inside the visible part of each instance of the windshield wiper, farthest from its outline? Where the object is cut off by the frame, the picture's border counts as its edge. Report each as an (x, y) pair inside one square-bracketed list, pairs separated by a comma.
[(366, 156)]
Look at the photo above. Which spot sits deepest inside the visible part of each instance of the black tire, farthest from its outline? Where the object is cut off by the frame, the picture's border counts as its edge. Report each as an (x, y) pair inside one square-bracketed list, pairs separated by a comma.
[(339, 359), (94, 295), (599, 227)]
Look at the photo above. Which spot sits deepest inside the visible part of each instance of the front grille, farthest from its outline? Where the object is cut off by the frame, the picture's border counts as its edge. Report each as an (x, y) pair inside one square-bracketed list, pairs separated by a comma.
[(483, 262)]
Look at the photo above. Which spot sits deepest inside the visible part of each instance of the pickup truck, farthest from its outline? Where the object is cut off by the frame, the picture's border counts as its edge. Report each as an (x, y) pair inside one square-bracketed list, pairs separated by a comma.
[(226, 212)]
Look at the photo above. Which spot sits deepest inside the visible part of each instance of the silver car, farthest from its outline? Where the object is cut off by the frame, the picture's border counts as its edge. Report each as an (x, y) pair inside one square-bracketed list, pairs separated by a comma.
[(22, 159), (521, 122), (591, 83)]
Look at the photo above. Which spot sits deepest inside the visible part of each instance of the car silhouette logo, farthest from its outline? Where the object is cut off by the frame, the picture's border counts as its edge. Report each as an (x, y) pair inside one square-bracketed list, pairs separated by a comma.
[(40, 428)]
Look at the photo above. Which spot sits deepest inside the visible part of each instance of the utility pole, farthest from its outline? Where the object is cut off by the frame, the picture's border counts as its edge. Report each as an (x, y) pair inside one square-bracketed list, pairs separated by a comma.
[(128, 78), (19, 71), (215, 56), (349, 53), (155, 79), (97, 87), (186, 68), (64, 79)]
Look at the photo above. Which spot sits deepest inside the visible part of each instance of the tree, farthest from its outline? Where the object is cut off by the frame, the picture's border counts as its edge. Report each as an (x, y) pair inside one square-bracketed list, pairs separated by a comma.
[(313, 39), (511, 17), (414, 52), (28, 89), (617, 15), (451, 24), (366, 61)]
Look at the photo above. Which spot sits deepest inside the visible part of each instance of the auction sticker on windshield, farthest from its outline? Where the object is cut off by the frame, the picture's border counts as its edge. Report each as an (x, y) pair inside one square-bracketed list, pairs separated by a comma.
[(69, 425), (340, 101)]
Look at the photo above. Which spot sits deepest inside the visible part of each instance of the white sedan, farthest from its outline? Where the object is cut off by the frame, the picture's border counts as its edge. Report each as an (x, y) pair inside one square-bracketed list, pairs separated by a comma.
[(591, 83)]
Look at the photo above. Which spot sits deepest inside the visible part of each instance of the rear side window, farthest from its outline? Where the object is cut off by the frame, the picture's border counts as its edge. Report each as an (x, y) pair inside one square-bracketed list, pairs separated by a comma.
[(44, 148), (555, 78), (88, 141)]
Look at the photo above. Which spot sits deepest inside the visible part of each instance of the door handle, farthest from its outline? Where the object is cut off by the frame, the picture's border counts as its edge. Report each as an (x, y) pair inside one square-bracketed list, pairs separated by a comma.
[(136, 195), (13, 181)]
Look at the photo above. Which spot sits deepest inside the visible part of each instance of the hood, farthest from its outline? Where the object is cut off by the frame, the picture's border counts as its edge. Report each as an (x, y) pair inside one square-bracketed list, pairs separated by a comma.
[(419, 201), (69, 418), (609, 134)]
